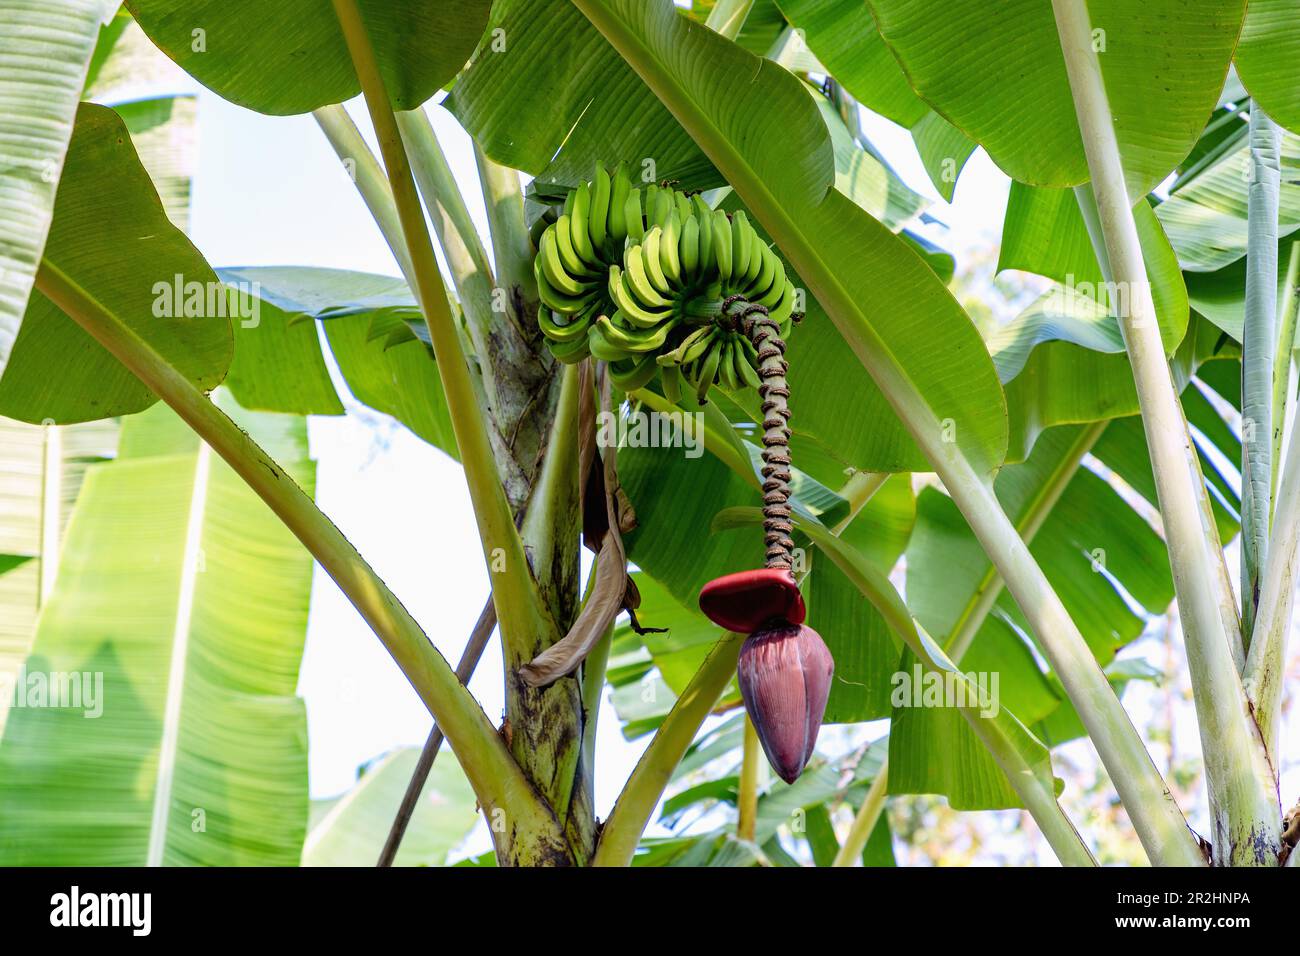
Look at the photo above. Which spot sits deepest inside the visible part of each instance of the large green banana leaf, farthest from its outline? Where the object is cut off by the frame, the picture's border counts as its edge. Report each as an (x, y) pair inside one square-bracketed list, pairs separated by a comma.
[(998, 74), (290, 57), (164, 130), (944, 151), (181, 608), (119, 246), (278, 364), (43, 466), (351, 829), (865, 178), (1266, 58), (45, 52), (41, 471), (1064, 385), (843, 34), (1062, 359)]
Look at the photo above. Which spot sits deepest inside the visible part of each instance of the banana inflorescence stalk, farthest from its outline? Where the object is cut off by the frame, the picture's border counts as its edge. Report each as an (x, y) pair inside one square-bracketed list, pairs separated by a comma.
[(763, 334), (637, 278)]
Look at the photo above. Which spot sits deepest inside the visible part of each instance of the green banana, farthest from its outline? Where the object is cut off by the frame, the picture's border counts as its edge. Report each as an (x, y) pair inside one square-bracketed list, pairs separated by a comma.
[(598, 222), (563, 235), (740, 247), (645, 341), (663, 206), (602, 348), (635, 220), (775, 287), (704, 215), (653, 264), (765, 279), (683, 204), (620, 187), (722, 243), (548, 260), (639, 279), (784, 307), (689, 248), (708, 371), (671, 379), (629, 374), (676, 260), (569, 305), (581, 231), (630, 304), (756, 247), (575, 328), (570, 353), (745, 371), (727, 366), (670, 261), (691, 347)]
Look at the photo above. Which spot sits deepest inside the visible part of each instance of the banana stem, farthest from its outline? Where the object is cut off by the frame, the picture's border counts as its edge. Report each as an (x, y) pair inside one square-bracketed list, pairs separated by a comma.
[(1258, 345), (513, 587), (497, 780), (1265, 669), (868, 815), (594, 666)]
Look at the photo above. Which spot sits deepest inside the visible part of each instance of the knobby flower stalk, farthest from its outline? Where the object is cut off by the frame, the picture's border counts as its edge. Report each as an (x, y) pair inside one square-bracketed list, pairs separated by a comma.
[(784, 668)]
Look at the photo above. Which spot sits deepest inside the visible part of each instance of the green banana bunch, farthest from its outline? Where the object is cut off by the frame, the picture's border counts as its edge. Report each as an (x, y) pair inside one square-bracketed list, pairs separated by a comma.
[(637, 279)]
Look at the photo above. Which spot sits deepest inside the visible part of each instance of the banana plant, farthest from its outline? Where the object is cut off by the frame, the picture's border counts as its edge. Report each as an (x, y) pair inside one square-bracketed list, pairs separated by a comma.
[(873, 484)]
